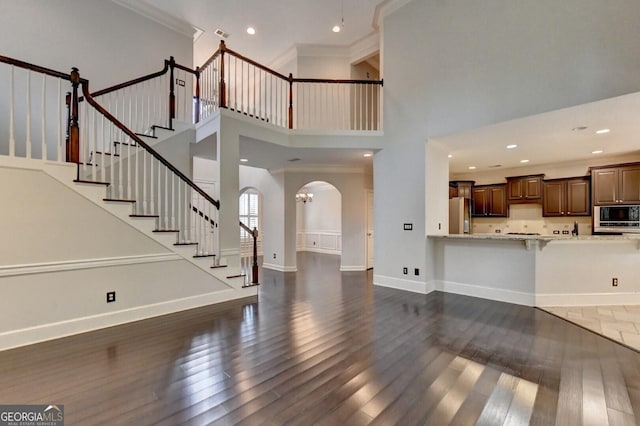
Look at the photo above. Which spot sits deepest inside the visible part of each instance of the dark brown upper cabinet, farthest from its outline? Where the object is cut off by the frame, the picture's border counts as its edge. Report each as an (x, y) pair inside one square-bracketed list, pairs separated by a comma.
[(619, 184), (566, 197), (524, 189), (490, 200)]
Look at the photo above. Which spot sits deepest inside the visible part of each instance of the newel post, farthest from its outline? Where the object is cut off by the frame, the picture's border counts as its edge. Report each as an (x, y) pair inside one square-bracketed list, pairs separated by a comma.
[(290, 101), (223, 87), (172, 92), (254, 267), (73, 134), (197, 115)]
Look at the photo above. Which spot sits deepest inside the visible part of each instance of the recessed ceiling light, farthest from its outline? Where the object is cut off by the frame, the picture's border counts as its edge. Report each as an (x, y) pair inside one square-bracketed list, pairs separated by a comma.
[(512, 146), (603, 131), (450, 156), (367, 155), (597, 151), (524, 161), (336, 29), (244, 160), (251, 30), (472, 167), (579, 128)]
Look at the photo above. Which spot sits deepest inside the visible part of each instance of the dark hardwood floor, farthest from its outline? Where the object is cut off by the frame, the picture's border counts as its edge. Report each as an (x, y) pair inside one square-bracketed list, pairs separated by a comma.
[(328, 348)]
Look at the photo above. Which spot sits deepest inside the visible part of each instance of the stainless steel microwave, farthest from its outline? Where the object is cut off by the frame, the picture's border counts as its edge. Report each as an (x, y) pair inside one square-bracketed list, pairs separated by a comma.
[(616, 219)]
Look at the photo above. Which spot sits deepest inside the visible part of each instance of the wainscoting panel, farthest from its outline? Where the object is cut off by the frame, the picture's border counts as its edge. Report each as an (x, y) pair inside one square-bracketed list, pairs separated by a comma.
[(329, 242)]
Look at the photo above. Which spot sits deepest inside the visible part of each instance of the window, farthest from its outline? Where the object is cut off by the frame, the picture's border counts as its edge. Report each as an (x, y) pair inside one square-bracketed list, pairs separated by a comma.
[(249, 212)]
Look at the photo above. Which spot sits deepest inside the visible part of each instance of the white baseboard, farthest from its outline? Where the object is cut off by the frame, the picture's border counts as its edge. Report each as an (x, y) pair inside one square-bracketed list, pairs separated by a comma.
[(74, 265), (491, 293), (320, 250), (588, 299), (352, 268), (402, 284), (280, 268), (31, 335)]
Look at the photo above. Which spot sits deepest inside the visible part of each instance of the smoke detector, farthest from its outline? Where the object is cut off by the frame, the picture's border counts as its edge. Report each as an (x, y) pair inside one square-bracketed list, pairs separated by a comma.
[(220, 33)]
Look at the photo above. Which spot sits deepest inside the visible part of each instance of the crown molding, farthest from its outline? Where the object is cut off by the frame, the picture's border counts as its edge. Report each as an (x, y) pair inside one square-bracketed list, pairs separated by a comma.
[(386, 8), (158, 15), (365, 47)]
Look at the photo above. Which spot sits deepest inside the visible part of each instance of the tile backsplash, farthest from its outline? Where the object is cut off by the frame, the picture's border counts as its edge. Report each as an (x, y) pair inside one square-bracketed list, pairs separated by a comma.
[(527, 218)]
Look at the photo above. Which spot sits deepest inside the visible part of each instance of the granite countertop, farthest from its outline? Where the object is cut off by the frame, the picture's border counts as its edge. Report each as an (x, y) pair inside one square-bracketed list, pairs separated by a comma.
[(547, 238)]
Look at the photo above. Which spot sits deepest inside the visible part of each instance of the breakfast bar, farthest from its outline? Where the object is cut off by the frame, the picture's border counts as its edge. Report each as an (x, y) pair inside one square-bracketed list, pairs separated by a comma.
[(540, 270)]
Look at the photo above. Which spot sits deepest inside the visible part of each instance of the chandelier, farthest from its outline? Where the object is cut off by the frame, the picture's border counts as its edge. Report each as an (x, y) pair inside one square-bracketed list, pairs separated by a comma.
[(304, 196)]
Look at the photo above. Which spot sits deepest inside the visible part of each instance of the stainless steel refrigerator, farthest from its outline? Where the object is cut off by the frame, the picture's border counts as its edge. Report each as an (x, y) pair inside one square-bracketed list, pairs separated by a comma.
[(459, 215)]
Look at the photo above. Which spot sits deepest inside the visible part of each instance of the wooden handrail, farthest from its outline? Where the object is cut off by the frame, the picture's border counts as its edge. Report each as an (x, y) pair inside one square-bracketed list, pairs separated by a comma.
[(133, 82), (323, 80), (138, 140), (37, 68)]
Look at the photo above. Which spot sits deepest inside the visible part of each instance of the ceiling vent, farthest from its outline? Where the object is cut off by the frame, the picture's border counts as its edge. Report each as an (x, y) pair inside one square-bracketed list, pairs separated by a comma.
[(221, 33)]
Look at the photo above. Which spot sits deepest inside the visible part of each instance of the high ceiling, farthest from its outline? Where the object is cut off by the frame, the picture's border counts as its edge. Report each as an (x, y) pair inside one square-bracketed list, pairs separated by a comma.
[(279, 24), (563, 135)]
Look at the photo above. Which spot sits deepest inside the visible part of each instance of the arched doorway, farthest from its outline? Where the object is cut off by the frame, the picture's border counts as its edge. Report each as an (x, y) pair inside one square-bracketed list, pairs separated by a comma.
[(319, 219)]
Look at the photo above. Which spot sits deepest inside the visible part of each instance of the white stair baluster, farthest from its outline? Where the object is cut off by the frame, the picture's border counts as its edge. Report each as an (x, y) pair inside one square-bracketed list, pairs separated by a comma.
[(152, 201), (145, 205), (165, 220), (28, 134), (59, 132), (12, 139), (44, 118)]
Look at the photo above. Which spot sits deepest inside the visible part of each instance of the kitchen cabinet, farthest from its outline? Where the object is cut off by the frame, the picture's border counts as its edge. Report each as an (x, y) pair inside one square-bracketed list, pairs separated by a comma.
[(566, 197), (490, 200), (524, 189), (461, 188), (618, 184)]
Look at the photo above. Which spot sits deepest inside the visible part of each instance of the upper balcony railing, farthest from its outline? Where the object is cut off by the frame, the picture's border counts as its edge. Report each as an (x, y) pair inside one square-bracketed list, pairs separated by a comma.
[(230, 80)]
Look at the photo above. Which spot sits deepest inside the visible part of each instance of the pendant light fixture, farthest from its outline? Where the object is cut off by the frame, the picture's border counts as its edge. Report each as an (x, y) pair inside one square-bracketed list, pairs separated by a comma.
[(337, 28)]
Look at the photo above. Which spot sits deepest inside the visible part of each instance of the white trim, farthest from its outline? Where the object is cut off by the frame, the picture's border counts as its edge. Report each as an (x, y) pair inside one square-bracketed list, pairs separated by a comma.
[(73, 265), (31, 335), (280, 268), (491, 293), (352, 268), (386, 8), (588, 299), (158, 15), (365, 48), (403, 284)]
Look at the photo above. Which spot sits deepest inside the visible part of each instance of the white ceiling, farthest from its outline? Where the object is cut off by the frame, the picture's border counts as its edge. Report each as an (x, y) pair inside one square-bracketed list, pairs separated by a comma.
[(548, 138), (279, 24), (276, 157)]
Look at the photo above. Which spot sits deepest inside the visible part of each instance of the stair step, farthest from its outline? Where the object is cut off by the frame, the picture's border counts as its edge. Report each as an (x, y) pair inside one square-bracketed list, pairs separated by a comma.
[(119, 200), (155, 216), (185, 244), (106, 153), (162, 127), (218, 266), (124, 143), (146, 136), (94, 182), (166, 230), (236, 276), (197, 256)]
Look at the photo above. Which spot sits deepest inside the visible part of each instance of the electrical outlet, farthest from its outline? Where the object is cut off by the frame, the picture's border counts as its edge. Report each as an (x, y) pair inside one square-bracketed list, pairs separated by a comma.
[(274, 255), (111, 296), (497, 231), (416, 271), (556, 232), (180, 82), (614, 282), (405, 271), (565, 232)]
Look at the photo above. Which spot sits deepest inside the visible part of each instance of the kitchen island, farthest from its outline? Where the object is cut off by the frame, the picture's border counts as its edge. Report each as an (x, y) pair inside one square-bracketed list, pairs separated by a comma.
[(539, 270)]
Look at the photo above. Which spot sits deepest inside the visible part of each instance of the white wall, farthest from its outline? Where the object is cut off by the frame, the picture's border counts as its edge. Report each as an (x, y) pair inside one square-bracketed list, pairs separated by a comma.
[(107, 42), (319, 223), (474, 64), (44, 221)]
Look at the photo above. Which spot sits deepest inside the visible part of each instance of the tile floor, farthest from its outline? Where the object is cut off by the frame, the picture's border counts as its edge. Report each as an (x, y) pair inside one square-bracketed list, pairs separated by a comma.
[(620, 323)]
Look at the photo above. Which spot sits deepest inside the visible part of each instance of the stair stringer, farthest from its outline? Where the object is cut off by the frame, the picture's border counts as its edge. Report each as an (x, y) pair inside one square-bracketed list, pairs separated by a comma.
[(65, 173)]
